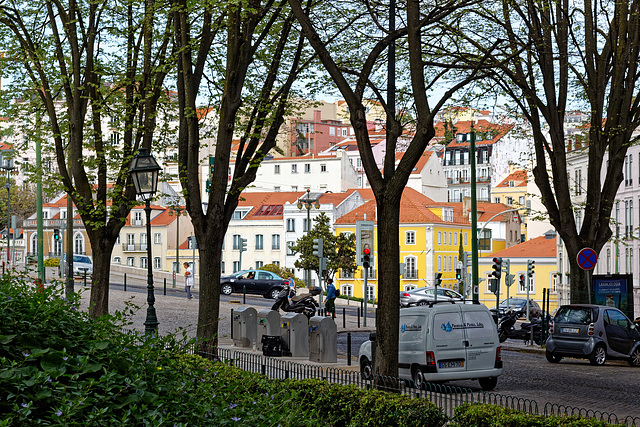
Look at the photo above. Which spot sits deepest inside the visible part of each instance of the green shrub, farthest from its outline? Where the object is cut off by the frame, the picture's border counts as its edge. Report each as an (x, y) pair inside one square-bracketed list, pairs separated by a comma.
[(478, 415), (351, 406), (51, 262)]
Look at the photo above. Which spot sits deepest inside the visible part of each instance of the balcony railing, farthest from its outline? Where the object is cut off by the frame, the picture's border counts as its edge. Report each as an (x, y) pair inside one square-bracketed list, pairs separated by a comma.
[(411, 274), (134, 247)]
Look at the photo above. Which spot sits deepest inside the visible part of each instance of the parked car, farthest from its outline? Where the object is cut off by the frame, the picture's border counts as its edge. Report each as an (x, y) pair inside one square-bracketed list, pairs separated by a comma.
[(259, 282), (593, 332), (520, 304), (444, 342), (81, 264), (423, 296)]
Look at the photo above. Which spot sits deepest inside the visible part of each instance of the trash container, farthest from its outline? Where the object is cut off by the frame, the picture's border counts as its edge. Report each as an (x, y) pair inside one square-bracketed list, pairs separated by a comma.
[(295, 334), (268, 324), (244, 327), (323, 340)]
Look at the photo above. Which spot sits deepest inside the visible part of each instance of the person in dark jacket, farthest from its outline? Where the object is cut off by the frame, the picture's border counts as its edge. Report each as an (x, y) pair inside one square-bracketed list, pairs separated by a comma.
[(330, 300)]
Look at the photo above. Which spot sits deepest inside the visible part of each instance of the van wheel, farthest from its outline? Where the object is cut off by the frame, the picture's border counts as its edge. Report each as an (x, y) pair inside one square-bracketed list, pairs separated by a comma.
[(502, 335), (599, 355), (418, 378), (488, 384), (553, 358), (366, 370), (634, 360)]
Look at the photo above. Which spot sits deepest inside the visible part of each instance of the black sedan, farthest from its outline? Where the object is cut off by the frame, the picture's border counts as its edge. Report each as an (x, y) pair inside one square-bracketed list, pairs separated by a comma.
[(259, 282), (520, 305)]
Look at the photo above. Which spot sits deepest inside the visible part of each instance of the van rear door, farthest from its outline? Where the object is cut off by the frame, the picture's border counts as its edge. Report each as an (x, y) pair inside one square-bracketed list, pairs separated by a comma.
[(448, 339), (481, 338)]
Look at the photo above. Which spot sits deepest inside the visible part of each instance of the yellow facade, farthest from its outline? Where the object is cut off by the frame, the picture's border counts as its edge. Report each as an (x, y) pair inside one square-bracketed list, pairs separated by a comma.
[(425, 249)]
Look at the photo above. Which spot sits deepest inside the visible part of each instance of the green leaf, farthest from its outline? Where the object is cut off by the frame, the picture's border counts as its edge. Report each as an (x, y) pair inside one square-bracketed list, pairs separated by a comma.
[(52, 361), (6, 339)]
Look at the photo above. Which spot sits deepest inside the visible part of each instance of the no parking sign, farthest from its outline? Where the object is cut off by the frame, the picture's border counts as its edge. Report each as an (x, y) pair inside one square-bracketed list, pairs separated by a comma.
[(587, 259)]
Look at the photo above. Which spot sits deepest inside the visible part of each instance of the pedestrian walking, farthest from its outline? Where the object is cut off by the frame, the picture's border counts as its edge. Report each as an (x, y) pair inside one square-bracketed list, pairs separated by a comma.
[(330, 300), (291, 283), (188, 280)]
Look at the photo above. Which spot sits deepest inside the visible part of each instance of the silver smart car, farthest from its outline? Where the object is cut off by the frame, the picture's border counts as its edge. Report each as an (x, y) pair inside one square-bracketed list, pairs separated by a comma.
[(593, 332)]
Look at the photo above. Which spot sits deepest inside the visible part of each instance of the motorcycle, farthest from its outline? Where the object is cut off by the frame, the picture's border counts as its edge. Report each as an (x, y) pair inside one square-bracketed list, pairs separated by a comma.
[(507, 329), (289, 302)]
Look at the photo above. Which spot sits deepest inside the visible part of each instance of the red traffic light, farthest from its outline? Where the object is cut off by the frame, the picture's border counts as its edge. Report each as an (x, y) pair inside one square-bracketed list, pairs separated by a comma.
[(367, 251)]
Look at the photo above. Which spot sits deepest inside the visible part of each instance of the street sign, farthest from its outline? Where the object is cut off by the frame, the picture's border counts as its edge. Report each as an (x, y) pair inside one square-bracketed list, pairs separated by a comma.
[(587, 259)]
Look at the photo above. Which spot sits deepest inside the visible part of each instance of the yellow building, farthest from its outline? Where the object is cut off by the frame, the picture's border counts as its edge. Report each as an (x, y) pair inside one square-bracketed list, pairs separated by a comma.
[(431, 235), (512, 191), (542, 250)]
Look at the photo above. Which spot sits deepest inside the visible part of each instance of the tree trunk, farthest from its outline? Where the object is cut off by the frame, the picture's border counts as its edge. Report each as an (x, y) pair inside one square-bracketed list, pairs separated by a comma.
[(388, 314), (99, 300), (209, 302)]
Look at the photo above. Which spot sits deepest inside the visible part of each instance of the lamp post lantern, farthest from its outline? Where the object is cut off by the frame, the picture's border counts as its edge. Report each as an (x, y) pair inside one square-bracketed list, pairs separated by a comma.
[(308, 202), (6, 163), (144, 173)]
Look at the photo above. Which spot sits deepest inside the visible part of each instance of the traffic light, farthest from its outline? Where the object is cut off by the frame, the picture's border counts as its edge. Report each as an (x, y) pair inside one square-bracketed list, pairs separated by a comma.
[(497, 268), (56, 234), (493, 286), (438, 279), (506, 266), (366, 256), (243, 245), (458, 274), (522, 279), (317, 247), (530, 267)]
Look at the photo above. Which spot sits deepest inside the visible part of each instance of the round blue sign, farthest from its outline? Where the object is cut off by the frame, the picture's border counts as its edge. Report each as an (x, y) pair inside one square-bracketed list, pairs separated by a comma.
[(587, 259)]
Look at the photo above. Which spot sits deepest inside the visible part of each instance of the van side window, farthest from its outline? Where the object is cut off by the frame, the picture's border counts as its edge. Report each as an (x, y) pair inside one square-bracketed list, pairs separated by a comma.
[(448, 326), (479, 324)]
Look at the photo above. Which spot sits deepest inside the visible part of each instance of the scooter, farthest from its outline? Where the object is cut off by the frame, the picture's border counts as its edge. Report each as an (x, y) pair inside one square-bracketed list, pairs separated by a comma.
[(507, 329), (289, 302)]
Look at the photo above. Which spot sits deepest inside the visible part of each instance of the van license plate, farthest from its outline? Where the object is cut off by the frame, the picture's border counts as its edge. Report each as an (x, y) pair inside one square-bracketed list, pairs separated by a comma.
[(451, 364), (570, 330)]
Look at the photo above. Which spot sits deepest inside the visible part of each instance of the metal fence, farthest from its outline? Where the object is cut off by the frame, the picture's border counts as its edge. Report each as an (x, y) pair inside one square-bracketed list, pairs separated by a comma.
[(446, 397)]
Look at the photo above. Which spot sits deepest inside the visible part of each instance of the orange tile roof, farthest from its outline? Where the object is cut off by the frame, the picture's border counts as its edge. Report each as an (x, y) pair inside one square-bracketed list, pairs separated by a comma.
[(479, 126), (519, 177), (540, 247), (163, 218)]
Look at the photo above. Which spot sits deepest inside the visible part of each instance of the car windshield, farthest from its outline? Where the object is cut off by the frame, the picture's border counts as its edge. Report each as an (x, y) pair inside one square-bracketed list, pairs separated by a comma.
[(83, 259), (578, 315), (512, 301)]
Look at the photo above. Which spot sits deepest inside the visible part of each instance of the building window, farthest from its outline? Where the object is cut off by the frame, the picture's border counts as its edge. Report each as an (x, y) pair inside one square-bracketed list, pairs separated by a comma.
[(439, 263), (236, 242), (294, 168), (137, 218), (497, 200), (410, 237), (439, 237), (259, 242), (236, 266), (276, 169), (323, 168), (346, 290), (289, 250), (344, 132), (157, 238), (259, 264), (78, 243), (332, 131), (465, 239), (450, 264), (307, 168), (291, 224), (143, 262), (484, 242), (275, 262), (410, 269), (131, 261), (578, 181), (116, 260), (509, 200), (275, 241), (450, 240), (157, 263)]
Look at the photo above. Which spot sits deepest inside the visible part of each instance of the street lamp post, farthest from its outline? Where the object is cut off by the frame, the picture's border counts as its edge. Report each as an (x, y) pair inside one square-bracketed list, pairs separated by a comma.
[(6, 163), (308, 202), (144, 174)]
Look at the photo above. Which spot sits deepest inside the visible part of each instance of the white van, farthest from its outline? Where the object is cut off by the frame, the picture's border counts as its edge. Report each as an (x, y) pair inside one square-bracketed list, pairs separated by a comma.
[(445, 342)]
